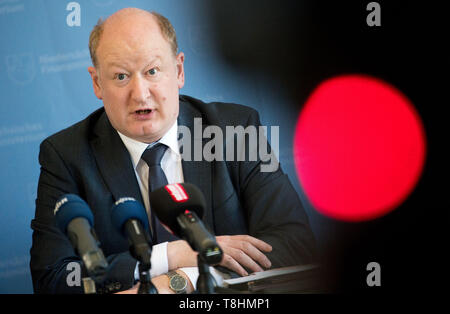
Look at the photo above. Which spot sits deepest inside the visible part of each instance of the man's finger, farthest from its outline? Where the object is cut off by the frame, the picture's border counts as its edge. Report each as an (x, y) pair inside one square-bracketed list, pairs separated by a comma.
[(243, 259), (231, 264), (255, 254), (249, 245), (259, 244)]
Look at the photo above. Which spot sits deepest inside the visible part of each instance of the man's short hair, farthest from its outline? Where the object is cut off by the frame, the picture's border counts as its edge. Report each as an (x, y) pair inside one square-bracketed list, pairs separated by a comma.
[(164, 24)]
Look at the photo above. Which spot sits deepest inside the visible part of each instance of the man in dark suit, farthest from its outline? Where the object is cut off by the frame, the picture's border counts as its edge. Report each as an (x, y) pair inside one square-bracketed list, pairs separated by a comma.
[(257, 216)]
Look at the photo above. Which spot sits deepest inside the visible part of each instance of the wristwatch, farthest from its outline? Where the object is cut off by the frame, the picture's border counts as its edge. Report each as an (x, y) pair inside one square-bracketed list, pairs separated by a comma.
[(177, 283)]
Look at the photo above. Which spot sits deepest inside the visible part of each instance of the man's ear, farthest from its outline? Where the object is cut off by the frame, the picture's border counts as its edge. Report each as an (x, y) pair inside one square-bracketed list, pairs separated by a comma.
[(95, 82), (180, 69)]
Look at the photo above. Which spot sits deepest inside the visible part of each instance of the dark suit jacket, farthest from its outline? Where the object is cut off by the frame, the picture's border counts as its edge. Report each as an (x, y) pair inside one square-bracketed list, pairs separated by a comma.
[(89, 159)]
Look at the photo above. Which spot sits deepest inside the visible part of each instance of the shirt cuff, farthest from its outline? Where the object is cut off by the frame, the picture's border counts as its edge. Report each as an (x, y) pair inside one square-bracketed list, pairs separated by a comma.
[(192, 274), (159, 261)]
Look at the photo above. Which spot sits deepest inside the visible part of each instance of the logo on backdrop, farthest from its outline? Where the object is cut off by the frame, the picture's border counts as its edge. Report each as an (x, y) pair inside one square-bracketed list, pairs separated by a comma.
[(21, 133), (21, 68), (11, 7), (65, 61)]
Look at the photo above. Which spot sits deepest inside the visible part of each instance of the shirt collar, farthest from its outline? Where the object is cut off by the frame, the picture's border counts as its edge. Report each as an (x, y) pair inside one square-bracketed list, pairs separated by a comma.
[(137, 148)]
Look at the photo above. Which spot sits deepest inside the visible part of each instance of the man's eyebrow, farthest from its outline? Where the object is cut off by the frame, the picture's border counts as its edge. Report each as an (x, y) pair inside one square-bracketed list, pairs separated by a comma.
[(124, 65), (153, 60)]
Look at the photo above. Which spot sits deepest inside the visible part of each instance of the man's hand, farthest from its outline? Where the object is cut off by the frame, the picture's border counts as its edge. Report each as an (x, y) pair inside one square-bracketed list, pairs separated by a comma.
[(180, 254), (244, 251), (239, 251)]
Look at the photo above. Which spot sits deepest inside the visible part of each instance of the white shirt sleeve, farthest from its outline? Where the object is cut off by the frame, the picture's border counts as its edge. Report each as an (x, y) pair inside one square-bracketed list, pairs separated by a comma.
[(159, 261), (160, 265), (192, 273)]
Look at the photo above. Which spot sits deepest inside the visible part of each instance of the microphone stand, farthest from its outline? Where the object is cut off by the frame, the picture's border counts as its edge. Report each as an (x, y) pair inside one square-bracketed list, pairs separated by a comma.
[(144, 255), (146, 286), (89, 285), (205, 283)]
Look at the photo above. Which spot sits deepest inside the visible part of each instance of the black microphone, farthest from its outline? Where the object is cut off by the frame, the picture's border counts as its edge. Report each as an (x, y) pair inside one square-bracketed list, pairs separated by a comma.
[(130, 218), (179, 206), (75, 219)]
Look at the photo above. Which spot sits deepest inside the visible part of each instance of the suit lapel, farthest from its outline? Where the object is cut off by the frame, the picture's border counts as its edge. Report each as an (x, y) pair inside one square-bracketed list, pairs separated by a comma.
[(114, 162), (196, 172), (116, 167)]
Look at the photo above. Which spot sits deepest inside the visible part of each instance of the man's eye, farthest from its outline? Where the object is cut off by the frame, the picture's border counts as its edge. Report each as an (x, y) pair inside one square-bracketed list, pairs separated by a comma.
[(153, 71), (121, 76)]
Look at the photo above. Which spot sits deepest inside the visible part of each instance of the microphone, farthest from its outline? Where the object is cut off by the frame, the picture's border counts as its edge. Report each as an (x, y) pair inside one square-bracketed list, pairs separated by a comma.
[(180, 206), (130, 218), (75, 219)]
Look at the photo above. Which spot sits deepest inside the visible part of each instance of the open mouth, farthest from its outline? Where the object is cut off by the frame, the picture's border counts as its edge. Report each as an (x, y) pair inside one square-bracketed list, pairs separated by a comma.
[(142, 112)]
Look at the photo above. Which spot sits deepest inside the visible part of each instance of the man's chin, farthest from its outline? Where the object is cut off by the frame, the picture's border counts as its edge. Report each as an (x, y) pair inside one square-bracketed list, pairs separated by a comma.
[(148, 135), (147, 132), (146, 138)]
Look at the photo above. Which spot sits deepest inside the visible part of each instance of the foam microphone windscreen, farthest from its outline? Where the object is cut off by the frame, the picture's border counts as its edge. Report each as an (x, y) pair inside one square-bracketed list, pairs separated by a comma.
[(69, 207), (127, 208), (172, 200)]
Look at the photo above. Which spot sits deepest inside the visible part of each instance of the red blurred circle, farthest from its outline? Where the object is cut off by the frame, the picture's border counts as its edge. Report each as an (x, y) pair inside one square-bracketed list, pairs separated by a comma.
[(359, 148)]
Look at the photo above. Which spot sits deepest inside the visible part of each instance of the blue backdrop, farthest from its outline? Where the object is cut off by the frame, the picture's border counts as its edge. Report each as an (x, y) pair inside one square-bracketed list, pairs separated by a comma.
[(45, 87), (236, 51)]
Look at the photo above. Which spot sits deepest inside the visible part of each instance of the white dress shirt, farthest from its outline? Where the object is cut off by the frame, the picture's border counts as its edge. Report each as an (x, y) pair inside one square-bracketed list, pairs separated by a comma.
[(172, 168)]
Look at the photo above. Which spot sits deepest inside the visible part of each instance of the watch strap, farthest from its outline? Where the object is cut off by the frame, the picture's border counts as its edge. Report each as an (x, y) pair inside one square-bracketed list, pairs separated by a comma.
[(172, 274)]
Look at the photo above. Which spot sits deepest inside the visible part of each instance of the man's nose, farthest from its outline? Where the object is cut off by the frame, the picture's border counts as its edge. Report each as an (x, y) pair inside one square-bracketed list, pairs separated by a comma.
[(140, 91)]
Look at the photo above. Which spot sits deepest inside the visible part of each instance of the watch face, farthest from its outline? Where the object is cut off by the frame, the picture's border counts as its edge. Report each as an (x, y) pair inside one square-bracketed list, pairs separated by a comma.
[(178, 283)]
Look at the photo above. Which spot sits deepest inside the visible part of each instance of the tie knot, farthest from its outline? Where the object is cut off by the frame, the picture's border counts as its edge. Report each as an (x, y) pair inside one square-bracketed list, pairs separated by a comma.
[(153, 155)]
